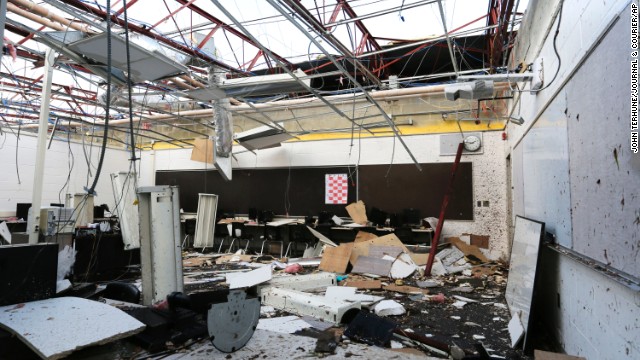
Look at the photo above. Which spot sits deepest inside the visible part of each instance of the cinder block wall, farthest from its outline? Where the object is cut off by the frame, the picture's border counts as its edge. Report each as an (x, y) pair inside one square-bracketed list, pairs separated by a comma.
[(57, 165)]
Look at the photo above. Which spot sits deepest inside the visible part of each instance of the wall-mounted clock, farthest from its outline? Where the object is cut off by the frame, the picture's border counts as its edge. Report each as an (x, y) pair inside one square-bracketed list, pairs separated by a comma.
[(472, 143)]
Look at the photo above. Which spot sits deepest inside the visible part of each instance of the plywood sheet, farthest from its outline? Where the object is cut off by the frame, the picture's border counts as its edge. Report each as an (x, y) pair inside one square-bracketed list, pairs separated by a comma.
[(481, 241), (362, 248), (364, 236), (203, 150), (54, 328), (336, 259), (357, 212), (364, 284)]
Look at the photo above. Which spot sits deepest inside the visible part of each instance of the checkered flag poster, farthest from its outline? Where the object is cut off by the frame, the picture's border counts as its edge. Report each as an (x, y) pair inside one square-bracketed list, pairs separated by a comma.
[(336, 188)]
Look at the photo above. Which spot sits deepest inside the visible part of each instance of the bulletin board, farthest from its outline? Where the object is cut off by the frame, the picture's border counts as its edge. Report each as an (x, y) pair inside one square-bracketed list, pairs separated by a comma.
[(302, 191)]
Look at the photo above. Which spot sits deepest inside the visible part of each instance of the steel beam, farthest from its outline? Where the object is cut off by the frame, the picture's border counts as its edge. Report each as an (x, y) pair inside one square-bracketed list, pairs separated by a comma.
[(350, 77), (231, 30), (446, 33), (284, 66), (322, 31)]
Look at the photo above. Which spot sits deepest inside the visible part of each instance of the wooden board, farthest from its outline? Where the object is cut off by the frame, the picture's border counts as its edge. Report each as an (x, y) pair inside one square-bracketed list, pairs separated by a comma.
[(364, 284), (471, 252), (203, 150), (336, 259), (357, 212), (56, 327), (545, 355)]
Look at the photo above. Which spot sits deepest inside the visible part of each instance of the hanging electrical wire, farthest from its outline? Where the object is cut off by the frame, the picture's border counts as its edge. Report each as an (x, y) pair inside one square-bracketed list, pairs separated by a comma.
[(105, 130)]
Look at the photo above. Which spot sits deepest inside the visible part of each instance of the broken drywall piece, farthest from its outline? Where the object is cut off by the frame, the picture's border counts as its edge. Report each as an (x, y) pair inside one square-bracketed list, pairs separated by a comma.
[(516, 330), (336, 259), (389, 308), (321, 237), (357, 212), (283, 325), (338, 221), (450, 255), (471, 252), (250, 278), (478, 337), (371, 265), (402, 267), (438, 269)]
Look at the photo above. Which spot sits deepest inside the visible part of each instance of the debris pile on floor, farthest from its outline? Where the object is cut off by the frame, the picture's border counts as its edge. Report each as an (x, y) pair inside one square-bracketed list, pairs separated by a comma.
[(373, 291)]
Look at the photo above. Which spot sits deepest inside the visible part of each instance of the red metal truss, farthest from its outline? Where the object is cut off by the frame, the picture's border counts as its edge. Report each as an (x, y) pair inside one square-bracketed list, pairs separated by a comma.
[(319, 27), (219, 23), (499, 14)]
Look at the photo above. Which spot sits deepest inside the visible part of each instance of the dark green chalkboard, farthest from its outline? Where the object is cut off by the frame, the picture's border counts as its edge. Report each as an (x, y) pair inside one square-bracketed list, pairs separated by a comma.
[(267, 189)]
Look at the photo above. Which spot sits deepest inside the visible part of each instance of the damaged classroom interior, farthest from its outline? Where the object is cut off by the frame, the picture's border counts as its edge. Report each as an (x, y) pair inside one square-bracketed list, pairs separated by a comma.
[(290, 179)]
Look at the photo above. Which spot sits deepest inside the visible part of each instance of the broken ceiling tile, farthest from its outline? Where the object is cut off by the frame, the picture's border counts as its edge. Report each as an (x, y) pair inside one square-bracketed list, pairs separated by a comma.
[(389, 308), (250, 278), (54, 328), (450, 255), (371, 265)]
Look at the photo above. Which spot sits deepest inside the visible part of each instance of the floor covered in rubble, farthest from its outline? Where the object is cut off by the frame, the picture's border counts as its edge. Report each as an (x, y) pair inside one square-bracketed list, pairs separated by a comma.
[(465, 310)]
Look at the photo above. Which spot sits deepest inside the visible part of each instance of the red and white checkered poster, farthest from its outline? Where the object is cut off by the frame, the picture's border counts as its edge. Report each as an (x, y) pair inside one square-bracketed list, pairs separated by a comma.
[(336, 188)]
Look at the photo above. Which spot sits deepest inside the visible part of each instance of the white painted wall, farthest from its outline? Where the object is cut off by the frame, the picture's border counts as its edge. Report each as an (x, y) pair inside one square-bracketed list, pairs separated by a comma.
[(489, 171), (55, 173), (565, 173)]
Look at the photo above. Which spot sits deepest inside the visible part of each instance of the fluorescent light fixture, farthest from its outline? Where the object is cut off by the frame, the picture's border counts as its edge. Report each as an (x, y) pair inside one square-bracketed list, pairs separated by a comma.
[(145, 65), (262, 137), (205, 220)]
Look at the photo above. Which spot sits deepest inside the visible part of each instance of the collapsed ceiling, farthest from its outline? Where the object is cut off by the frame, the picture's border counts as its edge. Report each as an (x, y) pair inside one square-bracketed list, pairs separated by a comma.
[(274, 60)]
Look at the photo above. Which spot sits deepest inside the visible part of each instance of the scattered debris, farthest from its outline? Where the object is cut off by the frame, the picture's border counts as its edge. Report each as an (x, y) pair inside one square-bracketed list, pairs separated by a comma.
[(389, 308), (293, 269), (250, 278)]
